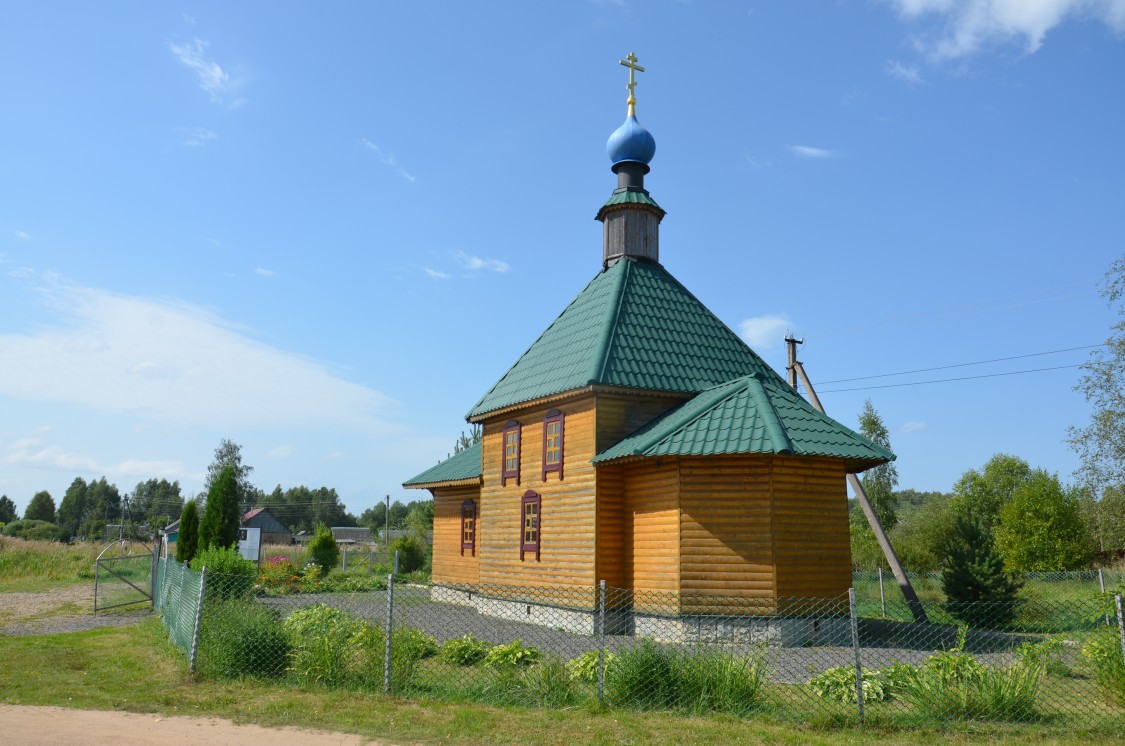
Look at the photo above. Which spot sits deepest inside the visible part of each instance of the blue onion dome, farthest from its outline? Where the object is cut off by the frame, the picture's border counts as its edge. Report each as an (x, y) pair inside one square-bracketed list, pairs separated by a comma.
[(631, 142)]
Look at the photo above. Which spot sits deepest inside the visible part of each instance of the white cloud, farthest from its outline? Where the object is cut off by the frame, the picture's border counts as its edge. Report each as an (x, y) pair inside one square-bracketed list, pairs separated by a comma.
[(264, 272), (906, 73), (387, 159), (805, 151), (281, 452), (757, 163), (912, 427), (436, 274), (22, 235), (162, 361), (963, 27), (212, 77), (195, 137), (474, 263), (765, 332), (31, 452), (335, 456)]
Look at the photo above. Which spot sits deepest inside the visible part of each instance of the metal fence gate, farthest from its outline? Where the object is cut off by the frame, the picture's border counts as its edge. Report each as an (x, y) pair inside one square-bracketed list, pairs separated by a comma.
[(125, 579)]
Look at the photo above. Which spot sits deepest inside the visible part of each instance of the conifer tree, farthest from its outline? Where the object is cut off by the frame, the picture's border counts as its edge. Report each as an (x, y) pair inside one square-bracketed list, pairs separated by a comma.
[(977, 589), (188, 543), (221, 517)]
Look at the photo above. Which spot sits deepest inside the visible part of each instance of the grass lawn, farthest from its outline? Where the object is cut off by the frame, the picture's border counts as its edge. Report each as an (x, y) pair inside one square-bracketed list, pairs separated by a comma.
[(135, 669)]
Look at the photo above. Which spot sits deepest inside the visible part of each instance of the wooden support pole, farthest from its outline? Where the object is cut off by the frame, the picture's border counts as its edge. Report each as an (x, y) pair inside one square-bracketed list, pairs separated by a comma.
[(912, 600)]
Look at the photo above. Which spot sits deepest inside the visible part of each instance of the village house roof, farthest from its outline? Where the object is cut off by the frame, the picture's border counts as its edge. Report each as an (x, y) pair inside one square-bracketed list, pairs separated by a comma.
[(460, 468), (634, 326), (752, 414)]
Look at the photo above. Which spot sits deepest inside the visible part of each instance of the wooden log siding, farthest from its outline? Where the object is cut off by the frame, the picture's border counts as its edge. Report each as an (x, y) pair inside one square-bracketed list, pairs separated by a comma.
[(812, 545), (449, 565), (568, 519), (652, 535)]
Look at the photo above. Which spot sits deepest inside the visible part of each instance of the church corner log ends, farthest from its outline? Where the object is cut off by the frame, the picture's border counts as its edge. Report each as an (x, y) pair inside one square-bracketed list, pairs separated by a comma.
[(641, 442)]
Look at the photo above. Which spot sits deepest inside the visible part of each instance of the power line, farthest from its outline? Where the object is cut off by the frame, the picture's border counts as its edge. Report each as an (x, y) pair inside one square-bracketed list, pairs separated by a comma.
[(947, 380), (961, 365)]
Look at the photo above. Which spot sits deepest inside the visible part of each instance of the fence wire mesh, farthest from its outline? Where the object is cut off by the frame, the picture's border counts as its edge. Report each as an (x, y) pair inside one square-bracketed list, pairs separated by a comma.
[(177, 600), (806, 660)]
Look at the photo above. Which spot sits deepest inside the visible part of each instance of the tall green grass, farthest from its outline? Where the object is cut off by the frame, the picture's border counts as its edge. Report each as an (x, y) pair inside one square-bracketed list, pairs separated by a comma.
[(38, 565)]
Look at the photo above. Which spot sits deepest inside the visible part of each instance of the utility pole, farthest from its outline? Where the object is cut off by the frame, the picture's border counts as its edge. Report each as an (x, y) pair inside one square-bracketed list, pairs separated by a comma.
[(387, 535), (912, 600), (791, 343)]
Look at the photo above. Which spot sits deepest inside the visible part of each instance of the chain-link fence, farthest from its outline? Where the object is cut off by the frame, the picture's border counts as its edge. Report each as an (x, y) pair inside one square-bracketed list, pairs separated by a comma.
[(836, 660)]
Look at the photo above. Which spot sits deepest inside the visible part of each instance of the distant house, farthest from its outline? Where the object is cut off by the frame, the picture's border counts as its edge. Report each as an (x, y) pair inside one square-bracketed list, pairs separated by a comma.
[(352, 535), (171, 532), (273, 530)]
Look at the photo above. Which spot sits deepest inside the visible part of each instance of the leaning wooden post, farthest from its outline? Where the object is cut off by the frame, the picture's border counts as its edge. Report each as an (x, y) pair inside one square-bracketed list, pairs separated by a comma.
[(390, 622), (912, 600), (855, 648)]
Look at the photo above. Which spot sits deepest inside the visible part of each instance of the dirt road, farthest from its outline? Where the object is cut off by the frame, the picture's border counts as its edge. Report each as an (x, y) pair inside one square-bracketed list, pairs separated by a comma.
[(35, 726)]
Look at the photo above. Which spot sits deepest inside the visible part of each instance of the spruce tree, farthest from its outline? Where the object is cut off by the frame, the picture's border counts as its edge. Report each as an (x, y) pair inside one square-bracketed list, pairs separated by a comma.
[(188, 543), (977, 589), (221, 516)]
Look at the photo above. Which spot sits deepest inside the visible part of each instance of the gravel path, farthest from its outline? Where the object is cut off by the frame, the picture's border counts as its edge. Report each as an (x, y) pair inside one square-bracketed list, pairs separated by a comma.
[(67, 609)]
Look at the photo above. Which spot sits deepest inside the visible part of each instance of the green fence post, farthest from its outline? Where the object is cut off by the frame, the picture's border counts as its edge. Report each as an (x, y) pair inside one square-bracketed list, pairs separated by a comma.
[(855, 647), (198, 622), (1120, 623), (601, 643)]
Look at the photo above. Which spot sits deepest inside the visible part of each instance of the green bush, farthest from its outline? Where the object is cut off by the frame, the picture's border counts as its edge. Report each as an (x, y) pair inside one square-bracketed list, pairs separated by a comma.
[(650, 677), (585, 666), (412, 553), (228, 574), (413, 643), (1103, 652), (549, 683), (323, 549), (464, 651), (838, 684), (512, 655), (241, 638), (33, 530), (1049, 654), (334, 648), (954, 685)]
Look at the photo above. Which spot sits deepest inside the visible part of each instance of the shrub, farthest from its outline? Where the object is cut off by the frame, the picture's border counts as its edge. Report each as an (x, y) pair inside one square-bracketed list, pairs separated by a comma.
[(241, 638), (279, 575), (512, 655), (228, 574), (412, 553), (953, 684), (1049, 654), (332, 648), (412, 642), (585, 666), (33, 530), (978, 590), (838, 684), (651, 677), (323, 549), (1103, 652), (549, 683), (188, 542), (464, 651)]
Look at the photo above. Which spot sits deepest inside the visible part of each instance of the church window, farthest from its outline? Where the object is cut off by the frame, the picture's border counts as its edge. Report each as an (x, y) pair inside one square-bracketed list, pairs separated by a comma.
[(531, 510), (553, 443), (510, 469), (469, 527)]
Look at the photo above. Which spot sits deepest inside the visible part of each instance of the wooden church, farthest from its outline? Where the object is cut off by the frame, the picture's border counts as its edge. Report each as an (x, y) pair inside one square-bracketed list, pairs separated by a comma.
[(641, 442)]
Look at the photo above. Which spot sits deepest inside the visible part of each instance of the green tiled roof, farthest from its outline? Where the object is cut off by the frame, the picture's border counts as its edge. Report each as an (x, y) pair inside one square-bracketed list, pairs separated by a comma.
[(633, 326), (631, 198), (752, 414), (458, 467)]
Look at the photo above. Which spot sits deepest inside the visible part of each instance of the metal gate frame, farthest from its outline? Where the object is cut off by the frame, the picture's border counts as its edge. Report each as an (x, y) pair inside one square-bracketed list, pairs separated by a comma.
[(102, 563)]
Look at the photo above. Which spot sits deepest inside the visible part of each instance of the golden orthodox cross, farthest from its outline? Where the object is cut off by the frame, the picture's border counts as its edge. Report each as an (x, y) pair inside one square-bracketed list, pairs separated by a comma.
[(633, 68)]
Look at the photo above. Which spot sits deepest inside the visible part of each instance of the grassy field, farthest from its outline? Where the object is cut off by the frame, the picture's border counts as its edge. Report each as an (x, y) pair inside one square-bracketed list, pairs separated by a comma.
[(41, 565), (134, 669)]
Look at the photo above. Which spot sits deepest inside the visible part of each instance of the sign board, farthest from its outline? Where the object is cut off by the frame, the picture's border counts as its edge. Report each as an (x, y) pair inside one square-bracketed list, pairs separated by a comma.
[(249, 543)]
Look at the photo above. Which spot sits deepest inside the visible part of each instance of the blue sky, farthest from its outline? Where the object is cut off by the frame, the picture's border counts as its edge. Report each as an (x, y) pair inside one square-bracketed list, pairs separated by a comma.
[(324, 230)]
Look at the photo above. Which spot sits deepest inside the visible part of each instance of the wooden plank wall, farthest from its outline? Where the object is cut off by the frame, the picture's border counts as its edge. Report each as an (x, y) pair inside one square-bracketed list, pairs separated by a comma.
[(568, 519), (621, 414), (812, 546), (726, 527), (449, 564), (652, 535), (612, 547)]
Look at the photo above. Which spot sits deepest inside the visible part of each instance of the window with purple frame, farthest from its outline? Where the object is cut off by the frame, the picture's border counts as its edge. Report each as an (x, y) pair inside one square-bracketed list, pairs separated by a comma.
[(531, 511)]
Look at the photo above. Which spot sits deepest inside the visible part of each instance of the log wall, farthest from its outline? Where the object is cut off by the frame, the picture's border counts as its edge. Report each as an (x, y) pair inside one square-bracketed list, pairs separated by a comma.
[(450, 566)]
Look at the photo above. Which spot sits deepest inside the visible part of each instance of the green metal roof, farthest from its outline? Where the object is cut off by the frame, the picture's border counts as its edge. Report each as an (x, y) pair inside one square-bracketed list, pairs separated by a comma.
[(631, 198), (633, 326), (458, 467), (752, 414)]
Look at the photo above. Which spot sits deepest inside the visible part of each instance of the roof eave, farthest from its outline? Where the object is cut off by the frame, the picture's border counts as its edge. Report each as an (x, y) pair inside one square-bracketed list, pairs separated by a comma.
[(473, 481)]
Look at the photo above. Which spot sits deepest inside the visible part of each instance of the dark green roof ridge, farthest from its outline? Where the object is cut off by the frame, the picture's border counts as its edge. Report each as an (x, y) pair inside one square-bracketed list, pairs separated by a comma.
[(631, 198)]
